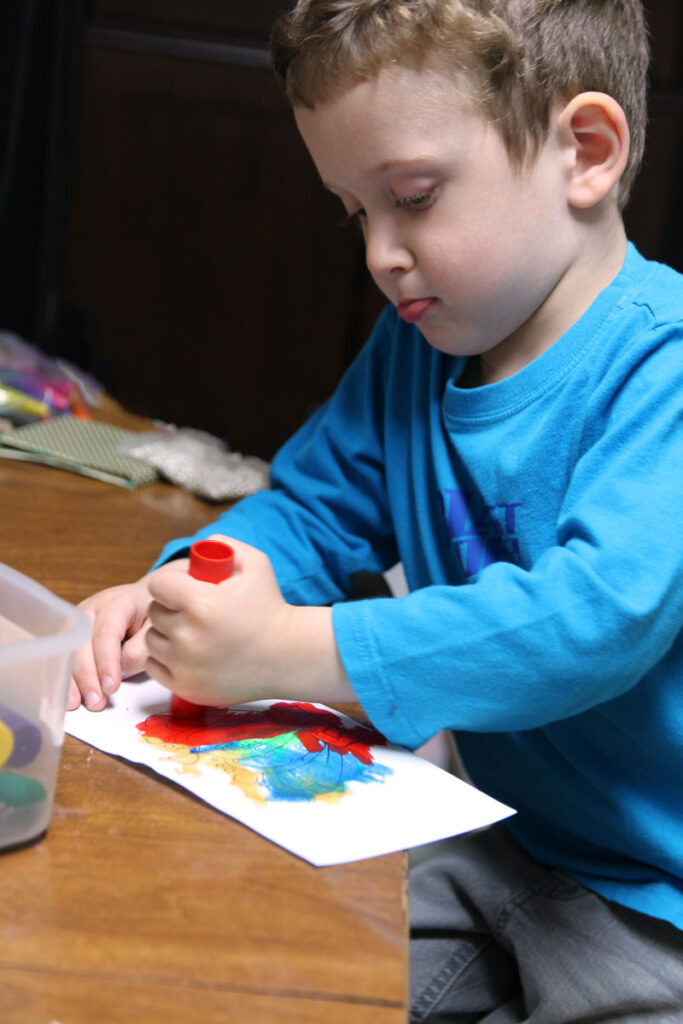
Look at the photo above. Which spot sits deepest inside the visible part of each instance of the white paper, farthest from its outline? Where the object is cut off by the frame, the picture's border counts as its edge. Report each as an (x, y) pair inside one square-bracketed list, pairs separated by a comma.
[(384, 798)]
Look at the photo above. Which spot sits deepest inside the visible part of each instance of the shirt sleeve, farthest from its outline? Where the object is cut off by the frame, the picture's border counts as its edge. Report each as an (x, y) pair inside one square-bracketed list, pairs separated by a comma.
[(519, 648), (325, 516)]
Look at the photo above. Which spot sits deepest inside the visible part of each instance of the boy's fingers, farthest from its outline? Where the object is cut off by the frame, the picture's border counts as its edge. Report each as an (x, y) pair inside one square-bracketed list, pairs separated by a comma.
[(162, 617), (96, 670), (85, 683), (74, 698), (106, 645), (157, 670), (108, 635), (134, 653), (158, 645)]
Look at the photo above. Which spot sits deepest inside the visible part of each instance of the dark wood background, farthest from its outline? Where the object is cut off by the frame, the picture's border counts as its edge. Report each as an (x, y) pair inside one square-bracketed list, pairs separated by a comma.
[(224, 291), (213, 283)]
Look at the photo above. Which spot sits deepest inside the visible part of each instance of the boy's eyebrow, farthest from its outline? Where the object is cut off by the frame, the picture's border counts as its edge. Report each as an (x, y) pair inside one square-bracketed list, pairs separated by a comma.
[(399, 164)]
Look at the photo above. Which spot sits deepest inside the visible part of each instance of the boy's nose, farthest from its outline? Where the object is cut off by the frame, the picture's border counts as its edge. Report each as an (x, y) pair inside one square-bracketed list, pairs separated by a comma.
[(385, 252)]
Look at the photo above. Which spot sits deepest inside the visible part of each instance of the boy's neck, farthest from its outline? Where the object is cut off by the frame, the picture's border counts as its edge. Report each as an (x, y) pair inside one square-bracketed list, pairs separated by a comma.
[(596, 267)]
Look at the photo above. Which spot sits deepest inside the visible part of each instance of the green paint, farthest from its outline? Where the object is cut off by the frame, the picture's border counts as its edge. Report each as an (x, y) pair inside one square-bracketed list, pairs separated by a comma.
[(19, 790)]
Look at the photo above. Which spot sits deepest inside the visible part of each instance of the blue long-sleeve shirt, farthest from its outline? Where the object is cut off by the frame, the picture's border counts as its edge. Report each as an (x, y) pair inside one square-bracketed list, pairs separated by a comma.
[(539, 521)]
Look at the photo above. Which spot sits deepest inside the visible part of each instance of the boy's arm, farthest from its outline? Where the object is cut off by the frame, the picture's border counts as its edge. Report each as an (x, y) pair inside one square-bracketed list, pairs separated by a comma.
[(211, 644), (324, 518), (520, 648), (239, 640), (326, 514)]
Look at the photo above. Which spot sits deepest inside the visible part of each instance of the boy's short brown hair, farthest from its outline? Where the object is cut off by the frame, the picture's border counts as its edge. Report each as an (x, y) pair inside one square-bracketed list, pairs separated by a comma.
[(520, 56)]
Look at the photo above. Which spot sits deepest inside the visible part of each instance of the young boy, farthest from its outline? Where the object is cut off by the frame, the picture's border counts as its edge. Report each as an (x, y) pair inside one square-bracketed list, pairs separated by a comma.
[(512, 433)]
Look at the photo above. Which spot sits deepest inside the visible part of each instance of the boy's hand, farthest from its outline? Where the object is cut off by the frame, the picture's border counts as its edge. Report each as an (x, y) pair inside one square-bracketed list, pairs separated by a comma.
[(117, 647), (239, 640), (210, 643), (217, 643)]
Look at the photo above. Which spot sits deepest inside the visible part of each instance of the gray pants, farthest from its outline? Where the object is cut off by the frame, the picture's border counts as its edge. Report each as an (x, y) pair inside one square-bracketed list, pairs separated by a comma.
[(496, 938)]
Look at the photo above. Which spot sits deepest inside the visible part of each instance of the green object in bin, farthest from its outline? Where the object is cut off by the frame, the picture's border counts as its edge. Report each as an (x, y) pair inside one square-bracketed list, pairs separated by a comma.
[(19, 790)]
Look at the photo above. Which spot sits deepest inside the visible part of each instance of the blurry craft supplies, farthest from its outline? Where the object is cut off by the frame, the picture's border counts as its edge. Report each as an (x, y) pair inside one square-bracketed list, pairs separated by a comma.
[(199, 462), (19, 407), (82, 446), (38, 636), (42, 400), (34, 386)]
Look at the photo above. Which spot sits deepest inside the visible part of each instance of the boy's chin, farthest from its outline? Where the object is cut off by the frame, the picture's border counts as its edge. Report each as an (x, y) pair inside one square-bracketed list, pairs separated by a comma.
[(441, 340)]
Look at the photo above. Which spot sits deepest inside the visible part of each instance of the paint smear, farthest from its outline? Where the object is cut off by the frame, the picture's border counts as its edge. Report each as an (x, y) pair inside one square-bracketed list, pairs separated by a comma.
[(288, 752)]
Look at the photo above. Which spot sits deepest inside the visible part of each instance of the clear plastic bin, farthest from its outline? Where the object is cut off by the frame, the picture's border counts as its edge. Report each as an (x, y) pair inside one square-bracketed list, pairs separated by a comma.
[(39, 634)]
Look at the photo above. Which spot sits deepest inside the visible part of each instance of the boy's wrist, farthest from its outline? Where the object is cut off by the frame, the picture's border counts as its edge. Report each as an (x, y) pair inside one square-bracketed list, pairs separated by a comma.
[(307, 663)]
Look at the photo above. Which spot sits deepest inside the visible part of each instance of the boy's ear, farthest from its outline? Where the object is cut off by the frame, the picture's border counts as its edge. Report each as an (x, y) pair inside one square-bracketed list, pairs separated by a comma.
[(594, 129)]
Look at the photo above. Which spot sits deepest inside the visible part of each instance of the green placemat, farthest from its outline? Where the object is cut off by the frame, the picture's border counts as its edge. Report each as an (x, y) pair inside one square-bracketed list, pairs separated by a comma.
[(82, 446)]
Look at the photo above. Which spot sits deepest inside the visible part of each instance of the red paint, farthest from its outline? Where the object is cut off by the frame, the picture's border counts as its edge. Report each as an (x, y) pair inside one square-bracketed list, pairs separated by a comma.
[(185, 708), (315, 728)]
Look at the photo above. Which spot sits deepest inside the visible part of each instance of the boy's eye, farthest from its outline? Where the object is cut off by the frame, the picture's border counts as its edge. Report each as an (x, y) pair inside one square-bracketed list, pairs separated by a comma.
[(419, 201)]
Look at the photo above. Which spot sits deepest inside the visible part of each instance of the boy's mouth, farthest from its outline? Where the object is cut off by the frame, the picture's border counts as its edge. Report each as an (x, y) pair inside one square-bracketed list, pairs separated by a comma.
[(412, 310)]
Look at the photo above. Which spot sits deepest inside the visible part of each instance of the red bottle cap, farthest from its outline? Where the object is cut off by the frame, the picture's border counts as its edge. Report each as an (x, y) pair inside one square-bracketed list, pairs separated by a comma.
[(211, 560)]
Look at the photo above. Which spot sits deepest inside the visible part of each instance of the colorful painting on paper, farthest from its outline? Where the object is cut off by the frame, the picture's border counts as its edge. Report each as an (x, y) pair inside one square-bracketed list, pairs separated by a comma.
[(293, 752), (311, 779)]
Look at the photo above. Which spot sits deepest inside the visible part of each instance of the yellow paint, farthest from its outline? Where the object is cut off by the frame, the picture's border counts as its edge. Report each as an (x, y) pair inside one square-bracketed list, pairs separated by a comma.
[(189, 763), (6, 743), (329, 798)]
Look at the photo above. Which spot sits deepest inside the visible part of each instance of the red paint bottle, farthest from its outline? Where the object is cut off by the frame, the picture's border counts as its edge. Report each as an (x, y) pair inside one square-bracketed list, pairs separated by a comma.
[(210, 561)]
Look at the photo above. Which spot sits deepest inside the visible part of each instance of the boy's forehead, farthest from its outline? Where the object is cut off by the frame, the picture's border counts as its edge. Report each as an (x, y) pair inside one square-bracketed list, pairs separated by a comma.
[(399, 115)]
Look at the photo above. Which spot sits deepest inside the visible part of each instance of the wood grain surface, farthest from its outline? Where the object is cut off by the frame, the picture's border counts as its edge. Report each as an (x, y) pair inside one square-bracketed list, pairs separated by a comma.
[(140, 903)]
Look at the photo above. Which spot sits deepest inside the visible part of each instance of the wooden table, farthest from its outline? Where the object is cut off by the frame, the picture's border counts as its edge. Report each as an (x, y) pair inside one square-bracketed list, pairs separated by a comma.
[(142, 905)]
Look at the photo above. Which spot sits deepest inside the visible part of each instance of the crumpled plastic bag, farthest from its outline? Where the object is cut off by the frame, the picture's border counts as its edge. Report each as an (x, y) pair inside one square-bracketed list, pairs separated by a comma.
[(199, 462)]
